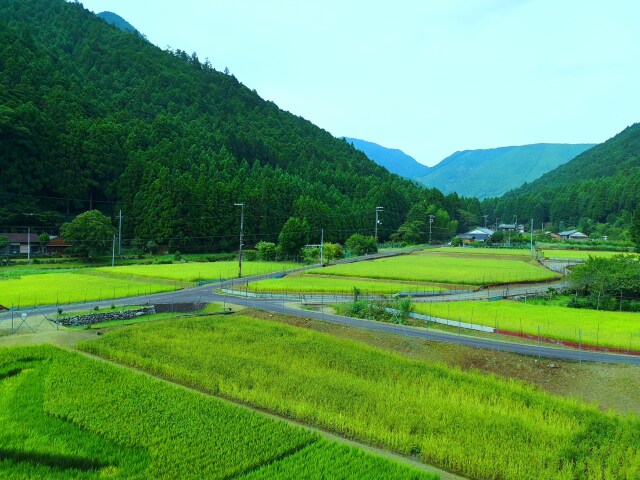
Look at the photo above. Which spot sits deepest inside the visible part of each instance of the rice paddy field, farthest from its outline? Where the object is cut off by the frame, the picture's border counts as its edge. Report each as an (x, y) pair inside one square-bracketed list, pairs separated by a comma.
[(590, 327), (476, 425), (63, 415), (196, 271), (303, 283), (27, 286), (441, 267), (72, 286), (508, 252), (579, 254)]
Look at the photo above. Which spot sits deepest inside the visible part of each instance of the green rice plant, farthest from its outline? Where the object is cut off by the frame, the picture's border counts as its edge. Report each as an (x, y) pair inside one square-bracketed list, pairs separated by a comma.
[(444, 268), (340, 461), (510, 252), (577, 254), (336, 285), (589, 327), (479, 426), (63, 415), (195, 272), (73, 287)]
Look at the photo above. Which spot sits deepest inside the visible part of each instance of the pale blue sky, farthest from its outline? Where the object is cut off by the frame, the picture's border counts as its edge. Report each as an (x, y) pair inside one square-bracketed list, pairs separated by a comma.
[(428, 77)]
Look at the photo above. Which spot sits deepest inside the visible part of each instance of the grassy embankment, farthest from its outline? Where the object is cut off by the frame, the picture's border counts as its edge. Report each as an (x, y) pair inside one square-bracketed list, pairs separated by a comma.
[(476, 425)]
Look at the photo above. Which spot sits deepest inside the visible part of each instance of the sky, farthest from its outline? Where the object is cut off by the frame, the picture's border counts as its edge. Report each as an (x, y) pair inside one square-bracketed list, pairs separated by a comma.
[(429, 77)]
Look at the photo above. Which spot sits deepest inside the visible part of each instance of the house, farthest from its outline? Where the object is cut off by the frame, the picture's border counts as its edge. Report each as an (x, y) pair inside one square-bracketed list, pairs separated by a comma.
[(554, 235), (573, 235), (19, 243), (506, 227), (57, 245), (478, 234)]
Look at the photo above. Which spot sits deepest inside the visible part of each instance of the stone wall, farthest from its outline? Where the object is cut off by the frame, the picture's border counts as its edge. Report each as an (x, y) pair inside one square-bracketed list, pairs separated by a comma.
[(92, 318), (179, 307)]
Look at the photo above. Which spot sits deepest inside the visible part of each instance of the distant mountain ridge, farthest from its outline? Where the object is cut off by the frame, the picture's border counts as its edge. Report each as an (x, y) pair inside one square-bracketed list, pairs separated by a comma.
[(394, 160), (119, 22), (493, 172), (601, 185)]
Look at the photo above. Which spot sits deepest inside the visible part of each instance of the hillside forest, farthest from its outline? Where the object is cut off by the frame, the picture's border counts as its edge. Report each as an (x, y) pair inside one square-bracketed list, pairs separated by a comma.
[(95, 118)]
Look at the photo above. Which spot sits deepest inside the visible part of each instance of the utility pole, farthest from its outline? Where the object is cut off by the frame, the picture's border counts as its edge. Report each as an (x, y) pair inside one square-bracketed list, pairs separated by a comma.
[(29, 243), (485, 220), (120, 234), (430, 223), (378, 210), (113, 252), (241, 205), (531, 244)]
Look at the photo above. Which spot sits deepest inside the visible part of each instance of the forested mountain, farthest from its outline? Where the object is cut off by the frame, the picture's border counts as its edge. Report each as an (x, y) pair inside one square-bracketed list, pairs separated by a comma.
[(493, 172), (599, 185), (394, 160), (118, 22), (91, 117)]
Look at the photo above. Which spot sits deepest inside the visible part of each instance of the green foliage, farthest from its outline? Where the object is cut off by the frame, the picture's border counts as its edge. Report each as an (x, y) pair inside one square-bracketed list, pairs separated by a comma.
[(332, 252), (411, 233), (608, 283), (311, 254), (43, 239), (250, 255), (54, 425), (3, 242), (293, 236), (480, 426), (89, 234), (635, 228), (266, 251), (358, 244), (443, 225)]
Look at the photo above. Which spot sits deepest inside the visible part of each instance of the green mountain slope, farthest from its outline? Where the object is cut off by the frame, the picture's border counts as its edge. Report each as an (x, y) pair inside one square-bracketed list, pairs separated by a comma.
[(492, 172), (600, 184), (394, 160), (91, 117)]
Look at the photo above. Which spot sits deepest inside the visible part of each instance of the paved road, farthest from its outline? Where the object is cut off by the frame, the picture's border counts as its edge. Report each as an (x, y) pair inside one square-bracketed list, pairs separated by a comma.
[(207, 293)]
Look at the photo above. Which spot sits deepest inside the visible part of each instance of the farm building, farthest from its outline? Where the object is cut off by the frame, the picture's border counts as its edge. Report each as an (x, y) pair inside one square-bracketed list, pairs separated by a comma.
[(478, 234), (573, 235), (505, 227), (57, 245), (19, 243)]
